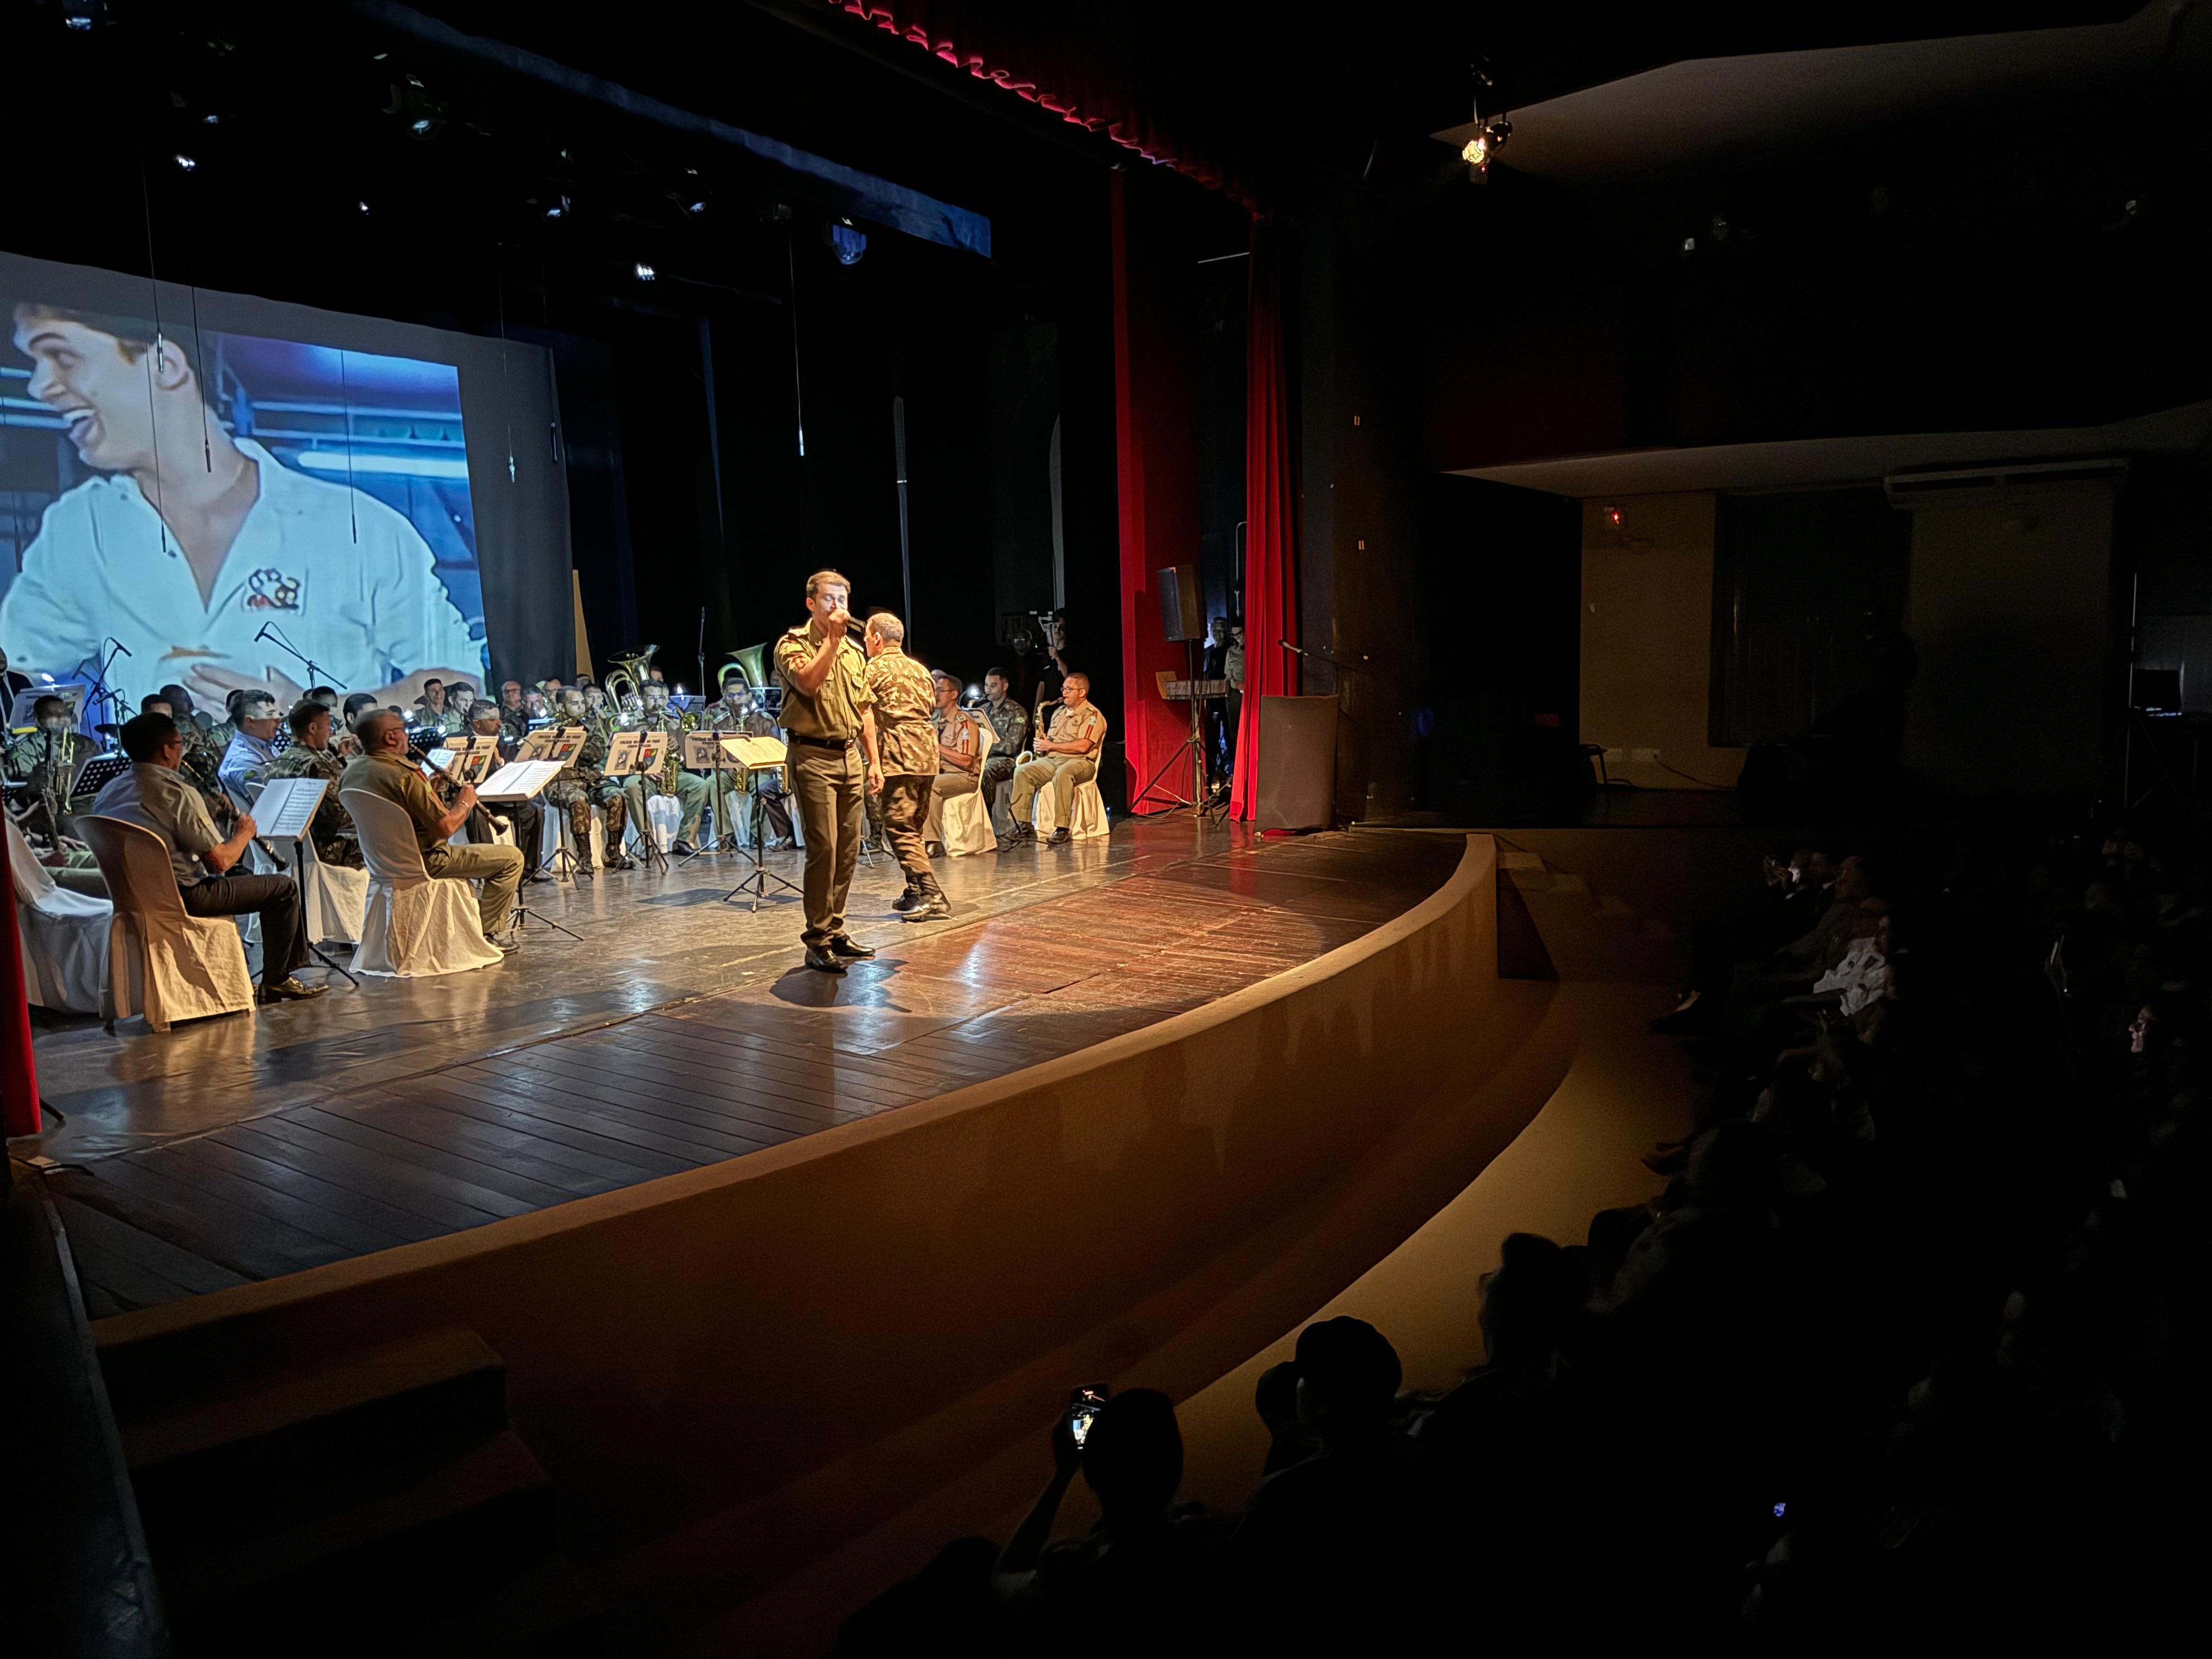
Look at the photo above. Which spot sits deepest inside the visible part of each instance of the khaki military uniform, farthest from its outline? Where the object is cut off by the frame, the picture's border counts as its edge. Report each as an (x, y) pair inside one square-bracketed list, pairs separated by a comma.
[(332, 829), (829, 775), (1061, 773), (583, 786), (396, 778), (954, 729), (906, 748)]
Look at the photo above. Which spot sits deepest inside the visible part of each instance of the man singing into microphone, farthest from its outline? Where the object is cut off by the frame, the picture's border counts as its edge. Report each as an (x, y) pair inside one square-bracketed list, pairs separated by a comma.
[(196, 549), (826, 706)]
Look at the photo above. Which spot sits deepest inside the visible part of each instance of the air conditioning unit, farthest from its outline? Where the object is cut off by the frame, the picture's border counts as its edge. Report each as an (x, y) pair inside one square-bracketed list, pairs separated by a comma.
[(2002, 484)]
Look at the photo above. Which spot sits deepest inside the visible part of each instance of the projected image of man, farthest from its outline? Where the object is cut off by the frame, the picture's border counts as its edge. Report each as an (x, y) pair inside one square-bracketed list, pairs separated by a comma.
[(192, 540)]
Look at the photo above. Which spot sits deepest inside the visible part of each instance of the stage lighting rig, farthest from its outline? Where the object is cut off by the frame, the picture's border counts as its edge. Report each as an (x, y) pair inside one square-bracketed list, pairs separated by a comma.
[(79, 15), (644, 272), (185, 163)]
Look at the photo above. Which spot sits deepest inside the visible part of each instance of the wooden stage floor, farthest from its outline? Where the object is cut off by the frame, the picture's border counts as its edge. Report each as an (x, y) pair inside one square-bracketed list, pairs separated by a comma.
[(678, 1031)]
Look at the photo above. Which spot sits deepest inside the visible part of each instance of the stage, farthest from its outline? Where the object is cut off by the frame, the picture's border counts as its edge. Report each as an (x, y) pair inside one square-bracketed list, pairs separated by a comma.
[(678, 1031)]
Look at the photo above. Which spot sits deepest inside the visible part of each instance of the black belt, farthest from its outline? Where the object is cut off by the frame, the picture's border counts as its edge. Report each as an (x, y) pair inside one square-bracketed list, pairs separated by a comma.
[(821, 743)]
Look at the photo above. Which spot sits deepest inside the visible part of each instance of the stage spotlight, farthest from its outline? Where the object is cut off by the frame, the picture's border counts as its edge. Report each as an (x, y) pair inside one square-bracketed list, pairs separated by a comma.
[(364, 206), (186, 162), (77, 15), (644, 272), (847, 243), (696, 207), (559, 209), (1480, 150), (423, 128)]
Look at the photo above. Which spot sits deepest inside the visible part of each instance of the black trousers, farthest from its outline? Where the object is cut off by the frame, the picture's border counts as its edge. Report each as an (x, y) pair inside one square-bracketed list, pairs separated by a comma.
[(275, 899), (527, 818)]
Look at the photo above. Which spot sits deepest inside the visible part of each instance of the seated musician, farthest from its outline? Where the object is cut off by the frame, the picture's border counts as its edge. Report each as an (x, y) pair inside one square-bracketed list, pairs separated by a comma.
[(1067, 756), (253, 747), (310, 755), (48, 758), (155, 795), (513, 715), (738, 713), (582, 786), (690, 789), (957, 752), (525, 819), (1011, 722), (385, 771)]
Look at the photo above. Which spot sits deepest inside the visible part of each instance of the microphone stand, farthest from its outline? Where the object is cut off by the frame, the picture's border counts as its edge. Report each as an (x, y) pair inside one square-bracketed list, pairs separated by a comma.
[(99, 692), (275, 635)]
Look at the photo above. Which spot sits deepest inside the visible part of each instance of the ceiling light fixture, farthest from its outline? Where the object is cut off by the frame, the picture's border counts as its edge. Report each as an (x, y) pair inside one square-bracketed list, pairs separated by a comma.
[(1482, 148), (644, 272), (186, 162)]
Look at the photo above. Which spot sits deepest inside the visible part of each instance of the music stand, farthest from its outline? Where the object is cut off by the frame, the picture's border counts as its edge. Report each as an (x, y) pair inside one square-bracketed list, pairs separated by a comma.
[(640, 755), (703, 752), (752, 755)]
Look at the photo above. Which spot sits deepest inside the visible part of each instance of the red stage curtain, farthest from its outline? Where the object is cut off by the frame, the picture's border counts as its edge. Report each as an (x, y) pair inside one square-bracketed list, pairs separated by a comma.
[(19, 1073), (1156, 465), (1088, 69), (1271, 543)]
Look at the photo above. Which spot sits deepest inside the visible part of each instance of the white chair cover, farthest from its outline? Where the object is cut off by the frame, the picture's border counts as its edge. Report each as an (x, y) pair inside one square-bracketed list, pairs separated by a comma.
[(335, 899), (666, 813), (160, 962), (1088, 813), (552, 824), (961, 822), (64, 935), (416, 927)]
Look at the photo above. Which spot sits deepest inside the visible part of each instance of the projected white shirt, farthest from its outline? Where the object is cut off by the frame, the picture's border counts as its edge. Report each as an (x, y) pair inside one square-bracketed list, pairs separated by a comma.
[(348, 580)]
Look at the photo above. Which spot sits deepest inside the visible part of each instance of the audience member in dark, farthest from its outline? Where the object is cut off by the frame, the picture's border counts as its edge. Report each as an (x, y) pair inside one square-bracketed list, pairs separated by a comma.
[(1147, 1578)]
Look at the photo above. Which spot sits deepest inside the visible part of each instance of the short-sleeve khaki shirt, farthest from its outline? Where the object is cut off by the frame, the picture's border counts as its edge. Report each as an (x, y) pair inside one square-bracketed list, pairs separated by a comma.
[(394, 778), (833, 711), (905, 698), (1087, 725)]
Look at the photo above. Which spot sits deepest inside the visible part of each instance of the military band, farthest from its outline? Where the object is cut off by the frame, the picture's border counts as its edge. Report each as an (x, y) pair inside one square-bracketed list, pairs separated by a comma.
[(870, 732)]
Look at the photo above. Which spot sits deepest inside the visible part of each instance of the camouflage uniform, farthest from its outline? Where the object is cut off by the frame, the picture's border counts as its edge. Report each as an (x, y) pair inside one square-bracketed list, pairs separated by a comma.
[(906, 747), (332, 829), (584, 785)]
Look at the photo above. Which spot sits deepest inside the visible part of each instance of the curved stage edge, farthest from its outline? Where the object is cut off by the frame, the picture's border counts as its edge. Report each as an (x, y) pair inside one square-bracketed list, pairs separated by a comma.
[(752, 1372)]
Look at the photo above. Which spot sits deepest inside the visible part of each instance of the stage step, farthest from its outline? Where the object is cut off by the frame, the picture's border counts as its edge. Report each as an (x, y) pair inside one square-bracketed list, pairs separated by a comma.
[(334, 1508), (1586, 935)]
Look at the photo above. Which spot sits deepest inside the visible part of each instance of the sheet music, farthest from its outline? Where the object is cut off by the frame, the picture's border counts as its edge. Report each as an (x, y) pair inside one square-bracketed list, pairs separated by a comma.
[(553, 743), (286, 806), (468, 759), (518, 780), (622, 755)]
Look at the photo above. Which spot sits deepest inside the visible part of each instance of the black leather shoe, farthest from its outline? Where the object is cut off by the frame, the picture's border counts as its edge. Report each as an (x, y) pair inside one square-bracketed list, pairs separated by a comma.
[(851, 949), (933, 904), (906, 901), (289, 990), (1059, 837), (820, 956), (534, 876), (680, 848)]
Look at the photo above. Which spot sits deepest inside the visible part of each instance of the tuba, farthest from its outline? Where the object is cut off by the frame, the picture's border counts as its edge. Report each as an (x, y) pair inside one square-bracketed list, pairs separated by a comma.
[(751, 662), (628, 675)]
